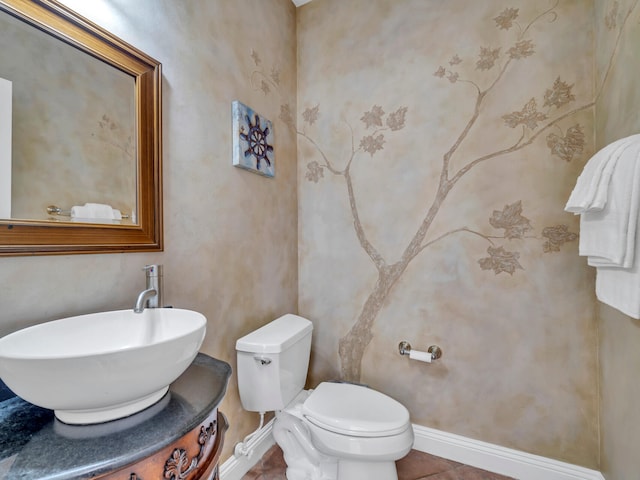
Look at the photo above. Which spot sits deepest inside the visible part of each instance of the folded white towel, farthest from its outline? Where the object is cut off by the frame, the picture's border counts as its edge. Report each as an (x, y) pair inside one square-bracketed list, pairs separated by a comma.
[(95, 211), (591, 190), (608, 236), (608, 198), (620, 287)]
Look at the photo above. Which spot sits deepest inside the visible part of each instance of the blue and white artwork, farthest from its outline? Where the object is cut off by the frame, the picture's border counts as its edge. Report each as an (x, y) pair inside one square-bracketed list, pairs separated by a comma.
[(252, 140)]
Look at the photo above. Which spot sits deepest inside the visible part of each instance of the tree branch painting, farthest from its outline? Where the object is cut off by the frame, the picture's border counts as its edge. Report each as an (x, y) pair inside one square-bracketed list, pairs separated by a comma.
[(546, 117)]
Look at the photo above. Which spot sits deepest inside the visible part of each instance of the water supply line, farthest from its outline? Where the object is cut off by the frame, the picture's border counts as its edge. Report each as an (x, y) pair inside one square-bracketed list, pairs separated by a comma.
[(243, 449)]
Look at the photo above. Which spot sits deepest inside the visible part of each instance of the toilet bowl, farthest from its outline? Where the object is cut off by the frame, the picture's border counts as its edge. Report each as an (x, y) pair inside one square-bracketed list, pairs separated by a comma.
[(338, 431)]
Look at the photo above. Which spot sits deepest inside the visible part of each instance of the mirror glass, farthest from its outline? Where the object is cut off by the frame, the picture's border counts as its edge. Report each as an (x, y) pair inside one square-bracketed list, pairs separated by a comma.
[(80, 140), (73, 135)]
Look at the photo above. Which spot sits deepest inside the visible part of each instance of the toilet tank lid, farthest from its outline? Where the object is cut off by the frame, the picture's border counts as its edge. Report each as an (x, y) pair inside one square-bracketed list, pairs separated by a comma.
[(275, 336)]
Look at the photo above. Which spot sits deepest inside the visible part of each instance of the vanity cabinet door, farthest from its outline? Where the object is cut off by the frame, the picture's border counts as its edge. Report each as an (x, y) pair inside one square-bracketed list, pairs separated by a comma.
[(193, 457)]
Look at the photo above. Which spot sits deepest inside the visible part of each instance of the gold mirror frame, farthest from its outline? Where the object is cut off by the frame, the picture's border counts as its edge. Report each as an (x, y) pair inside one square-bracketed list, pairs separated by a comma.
[(21, 237)]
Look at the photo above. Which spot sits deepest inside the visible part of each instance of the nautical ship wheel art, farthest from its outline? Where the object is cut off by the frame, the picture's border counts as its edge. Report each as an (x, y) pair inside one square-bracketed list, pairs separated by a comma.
[(256, 137)]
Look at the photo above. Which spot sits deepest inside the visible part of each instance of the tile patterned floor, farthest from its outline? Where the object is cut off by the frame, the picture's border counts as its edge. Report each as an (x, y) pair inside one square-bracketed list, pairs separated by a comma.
[(415, 466)]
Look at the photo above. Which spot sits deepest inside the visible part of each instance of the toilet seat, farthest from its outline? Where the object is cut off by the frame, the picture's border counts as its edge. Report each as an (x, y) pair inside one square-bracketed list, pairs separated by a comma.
[(355, 410)]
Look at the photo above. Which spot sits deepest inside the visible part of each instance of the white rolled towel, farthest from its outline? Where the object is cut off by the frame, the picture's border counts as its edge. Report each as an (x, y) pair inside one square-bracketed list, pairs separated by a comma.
[(592, 187), (95, 211), (608, 236)]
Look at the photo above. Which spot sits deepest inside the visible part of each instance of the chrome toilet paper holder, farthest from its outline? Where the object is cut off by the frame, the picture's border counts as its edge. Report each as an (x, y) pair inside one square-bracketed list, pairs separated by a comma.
[(405, 349)]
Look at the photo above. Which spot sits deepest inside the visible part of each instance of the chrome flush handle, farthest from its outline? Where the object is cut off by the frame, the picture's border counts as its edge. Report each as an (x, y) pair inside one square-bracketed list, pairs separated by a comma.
[(263, 360)]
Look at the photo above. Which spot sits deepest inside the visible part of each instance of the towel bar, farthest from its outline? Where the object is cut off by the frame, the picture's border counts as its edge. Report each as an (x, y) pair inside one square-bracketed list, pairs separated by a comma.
[(55, 210)]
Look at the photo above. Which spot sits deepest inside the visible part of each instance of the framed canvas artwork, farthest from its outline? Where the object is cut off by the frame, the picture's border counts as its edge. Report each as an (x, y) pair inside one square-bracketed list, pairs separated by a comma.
[(252, 140)]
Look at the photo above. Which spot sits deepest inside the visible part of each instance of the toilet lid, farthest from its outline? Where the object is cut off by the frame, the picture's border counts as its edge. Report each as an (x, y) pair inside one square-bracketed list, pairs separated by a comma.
[(355, 410)]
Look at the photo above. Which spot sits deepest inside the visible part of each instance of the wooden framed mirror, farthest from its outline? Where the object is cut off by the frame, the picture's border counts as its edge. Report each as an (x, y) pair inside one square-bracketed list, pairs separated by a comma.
[(31, 234)]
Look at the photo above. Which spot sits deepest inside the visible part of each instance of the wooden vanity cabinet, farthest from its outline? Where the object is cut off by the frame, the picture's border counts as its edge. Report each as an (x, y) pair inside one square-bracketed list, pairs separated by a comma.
[(194, 456)]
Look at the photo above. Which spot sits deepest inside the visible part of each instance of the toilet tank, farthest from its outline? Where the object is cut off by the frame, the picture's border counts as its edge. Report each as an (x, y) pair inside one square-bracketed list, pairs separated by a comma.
[(273, 362)]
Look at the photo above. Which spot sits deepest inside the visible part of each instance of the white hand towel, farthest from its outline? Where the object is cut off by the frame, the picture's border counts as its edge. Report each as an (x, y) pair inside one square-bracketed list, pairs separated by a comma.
[(93, 211), (591, 190), (79, 211), (620, 287), (608, 236)]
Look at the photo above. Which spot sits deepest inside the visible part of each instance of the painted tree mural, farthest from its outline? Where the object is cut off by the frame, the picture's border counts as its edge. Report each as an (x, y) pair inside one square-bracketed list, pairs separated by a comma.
[(545, 117)]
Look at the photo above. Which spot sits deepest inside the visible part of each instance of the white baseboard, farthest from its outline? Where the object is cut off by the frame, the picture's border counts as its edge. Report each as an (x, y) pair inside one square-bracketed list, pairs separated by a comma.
[(236, 467), (497, 459), (487, 456)]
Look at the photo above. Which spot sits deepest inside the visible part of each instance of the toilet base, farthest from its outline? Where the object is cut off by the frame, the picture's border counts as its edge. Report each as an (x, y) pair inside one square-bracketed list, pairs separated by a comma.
[(355, 470), (304, 461), (309, 461)]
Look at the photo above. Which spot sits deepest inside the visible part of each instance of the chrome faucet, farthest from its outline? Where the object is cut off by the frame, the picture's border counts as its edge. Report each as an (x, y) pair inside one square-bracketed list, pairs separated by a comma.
[(151, 297)]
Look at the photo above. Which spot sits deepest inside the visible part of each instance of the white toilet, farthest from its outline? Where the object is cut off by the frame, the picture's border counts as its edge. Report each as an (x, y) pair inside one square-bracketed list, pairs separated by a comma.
[(338, 431)]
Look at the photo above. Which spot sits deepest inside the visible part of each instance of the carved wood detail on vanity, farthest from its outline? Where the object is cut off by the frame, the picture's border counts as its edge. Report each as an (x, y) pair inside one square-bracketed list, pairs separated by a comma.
[(178, 466), (194, 456)]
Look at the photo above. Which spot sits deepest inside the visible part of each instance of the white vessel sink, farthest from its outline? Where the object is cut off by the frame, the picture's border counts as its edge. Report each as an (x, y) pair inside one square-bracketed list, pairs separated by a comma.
[(102, 366)]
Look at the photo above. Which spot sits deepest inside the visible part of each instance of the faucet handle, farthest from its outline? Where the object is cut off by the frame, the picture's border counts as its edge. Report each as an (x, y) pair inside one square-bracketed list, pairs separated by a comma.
[(153, 270)]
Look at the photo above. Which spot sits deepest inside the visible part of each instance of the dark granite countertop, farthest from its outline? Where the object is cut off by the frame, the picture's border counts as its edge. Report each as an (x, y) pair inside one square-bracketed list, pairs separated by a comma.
[(35, 445)]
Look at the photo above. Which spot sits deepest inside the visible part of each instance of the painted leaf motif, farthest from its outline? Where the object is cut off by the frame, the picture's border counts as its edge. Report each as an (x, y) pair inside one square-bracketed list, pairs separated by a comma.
[(314, 172), (264, 86), (560, 94), (569, 145), (256, 58), (505, 20), (500, 260), (372, 144), (511, 220), (395, 120), (285, 115), (556, 237), (107, 123), (310, 115), (487, 58), (373, 118), (455, 60), (453, 77), (441, 72), (521, 49), (529, 116), (275, 76)]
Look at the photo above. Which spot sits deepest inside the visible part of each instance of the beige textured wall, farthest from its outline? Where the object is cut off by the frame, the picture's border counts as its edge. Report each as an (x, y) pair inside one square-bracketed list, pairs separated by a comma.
[(230, 235), (617, 117), (519, 345), (438, 143)]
